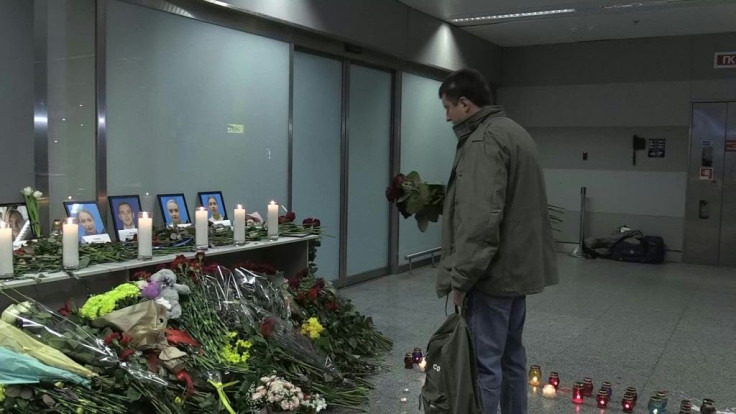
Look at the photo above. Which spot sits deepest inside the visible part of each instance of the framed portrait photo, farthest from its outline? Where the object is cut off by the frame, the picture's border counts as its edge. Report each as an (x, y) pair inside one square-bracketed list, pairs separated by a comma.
[(215, 205), (124, 211), (87, 215), (16, 217), (173, 209)]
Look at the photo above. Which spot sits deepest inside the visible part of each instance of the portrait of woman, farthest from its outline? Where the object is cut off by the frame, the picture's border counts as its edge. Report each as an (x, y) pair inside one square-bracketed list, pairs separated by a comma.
[(91, 229), (15, 221), (15, 215), (215, 205)]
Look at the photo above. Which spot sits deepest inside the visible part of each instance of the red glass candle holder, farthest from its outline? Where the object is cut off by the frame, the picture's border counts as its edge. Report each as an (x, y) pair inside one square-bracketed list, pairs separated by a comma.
[(627, 404), (587, 387), (634, 395), (577, 393), (602, 399), (554, 379), (408, 361)]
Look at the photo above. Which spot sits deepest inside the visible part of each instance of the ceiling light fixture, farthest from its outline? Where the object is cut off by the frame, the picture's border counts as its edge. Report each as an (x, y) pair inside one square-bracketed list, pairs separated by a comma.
[(512, 15)]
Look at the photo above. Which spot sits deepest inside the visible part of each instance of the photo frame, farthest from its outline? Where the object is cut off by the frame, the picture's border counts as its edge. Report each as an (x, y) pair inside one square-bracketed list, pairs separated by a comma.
[(125, 209), (91, 226), (181, 202), (16, 216), (215, 205)]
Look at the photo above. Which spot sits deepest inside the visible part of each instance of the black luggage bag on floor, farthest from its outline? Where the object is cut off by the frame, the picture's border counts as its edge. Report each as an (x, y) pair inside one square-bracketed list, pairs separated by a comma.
[(647, 249)]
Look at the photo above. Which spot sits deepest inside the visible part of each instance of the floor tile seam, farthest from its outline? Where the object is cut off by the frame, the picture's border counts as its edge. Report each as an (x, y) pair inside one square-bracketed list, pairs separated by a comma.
[(668, 343)]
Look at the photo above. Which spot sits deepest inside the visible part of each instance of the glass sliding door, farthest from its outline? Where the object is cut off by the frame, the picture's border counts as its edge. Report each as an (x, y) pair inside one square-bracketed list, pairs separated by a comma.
[(369, 150), (316, 151)]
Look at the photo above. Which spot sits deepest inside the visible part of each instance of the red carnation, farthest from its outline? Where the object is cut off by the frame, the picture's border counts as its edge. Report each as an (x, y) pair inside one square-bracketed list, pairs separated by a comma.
[(125, 340), (126, 354), (112, 337), (398, 181), (65, 311), (316, 223), (307, 223), (282, 220), (301, 298), (332, 306), (179, 261), (319, 284), (267, 327), (200, 256), (313, 293), (141, 275), (290, 216), (391, 194)]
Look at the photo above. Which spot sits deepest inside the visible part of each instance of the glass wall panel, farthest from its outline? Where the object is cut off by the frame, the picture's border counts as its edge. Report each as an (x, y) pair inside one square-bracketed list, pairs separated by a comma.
[(16, 98), (195, 107), (71, 103), (369, 172), (316, 160), (427, 147)]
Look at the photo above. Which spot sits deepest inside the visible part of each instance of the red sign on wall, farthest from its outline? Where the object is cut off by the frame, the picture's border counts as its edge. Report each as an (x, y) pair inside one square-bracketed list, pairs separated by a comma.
[(725, 60)]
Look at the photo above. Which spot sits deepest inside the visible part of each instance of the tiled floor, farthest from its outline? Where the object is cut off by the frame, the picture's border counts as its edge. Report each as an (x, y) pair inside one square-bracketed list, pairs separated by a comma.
[(655, 327)]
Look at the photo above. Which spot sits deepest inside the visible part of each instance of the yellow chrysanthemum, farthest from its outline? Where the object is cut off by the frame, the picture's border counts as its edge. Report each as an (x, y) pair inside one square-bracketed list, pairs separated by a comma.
[(236, 353), (100, 305), (312, 328)]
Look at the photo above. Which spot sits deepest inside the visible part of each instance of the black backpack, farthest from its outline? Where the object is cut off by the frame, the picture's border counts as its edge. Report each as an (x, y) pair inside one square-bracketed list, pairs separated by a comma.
[(451, 386)]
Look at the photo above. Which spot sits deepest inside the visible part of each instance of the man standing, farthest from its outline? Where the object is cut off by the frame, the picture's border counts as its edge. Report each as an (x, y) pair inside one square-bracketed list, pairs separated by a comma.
[(125, 215), (497, 242)]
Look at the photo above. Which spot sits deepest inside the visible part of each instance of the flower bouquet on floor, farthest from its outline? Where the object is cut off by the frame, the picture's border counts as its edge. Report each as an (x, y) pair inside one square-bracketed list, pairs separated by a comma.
[(415, 198)]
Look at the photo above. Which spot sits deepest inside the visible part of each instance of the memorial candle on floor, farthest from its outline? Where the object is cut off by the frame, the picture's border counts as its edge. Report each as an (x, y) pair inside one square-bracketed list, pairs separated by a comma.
[(273, 221), (239, 225), (201, 228), (70, 244), (6, 250)]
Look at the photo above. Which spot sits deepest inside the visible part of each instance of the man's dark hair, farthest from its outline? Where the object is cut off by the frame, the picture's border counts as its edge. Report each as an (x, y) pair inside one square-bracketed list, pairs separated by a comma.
[(468, 83)]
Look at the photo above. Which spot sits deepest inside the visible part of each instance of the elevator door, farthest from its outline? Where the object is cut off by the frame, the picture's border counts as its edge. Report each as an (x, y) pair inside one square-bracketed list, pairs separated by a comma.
[(710, 233)]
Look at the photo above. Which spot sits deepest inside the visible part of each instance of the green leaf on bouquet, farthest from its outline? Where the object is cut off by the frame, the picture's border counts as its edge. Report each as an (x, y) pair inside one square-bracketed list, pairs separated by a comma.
[(414, 205), (413, 177)]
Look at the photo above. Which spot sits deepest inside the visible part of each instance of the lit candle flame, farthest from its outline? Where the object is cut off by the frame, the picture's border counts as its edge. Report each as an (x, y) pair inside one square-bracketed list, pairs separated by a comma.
[(239, 207), (144, 214), (70, 220)]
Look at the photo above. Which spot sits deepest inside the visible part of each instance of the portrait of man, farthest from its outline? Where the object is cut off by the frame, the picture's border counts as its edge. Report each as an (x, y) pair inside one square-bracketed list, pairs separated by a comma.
[(125, 211), (213, 201), (173, 209)]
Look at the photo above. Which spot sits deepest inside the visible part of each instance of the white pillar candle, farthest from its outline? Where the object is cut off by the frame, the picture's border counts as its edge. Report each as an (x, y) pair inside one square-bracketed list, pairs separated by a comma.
[(239, 225), (70, 244), (273, 221), (145, 235), (201, 229), (6, 250)]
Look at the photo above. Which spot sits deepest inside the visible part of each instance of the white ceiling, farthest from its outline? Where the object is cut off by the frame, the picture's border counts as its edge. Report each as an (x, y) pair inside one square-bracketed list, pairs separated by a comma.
[(591, 21)]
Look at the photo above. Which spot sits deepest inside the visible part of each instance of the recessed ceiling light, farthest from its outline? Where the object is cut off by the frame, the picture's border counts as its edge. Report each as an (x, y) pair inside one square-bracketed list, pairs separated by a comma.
[(512, 15)]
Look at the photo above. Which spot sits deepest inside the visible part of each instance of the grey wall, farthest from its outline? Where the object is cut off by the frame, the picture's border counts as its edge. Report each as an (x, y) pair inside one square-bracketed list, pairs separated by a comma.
[(594, 97), (16, 98), (387, 26)]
